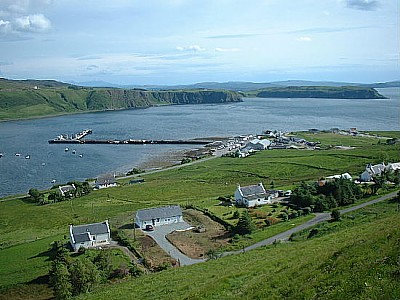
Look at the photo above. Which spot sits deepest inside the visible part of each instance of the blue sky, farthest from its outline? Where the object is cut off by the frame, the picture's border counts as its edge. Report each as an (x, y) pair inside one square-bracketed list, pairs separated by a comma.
[(188, 41)]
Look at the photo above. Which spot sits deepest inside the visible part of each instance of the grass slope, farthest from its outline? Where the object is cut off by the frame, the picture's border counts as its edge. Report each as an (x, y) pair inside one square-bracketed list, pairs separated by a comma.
[(22, 99), (25, 227), (357, 260), (335, 92)]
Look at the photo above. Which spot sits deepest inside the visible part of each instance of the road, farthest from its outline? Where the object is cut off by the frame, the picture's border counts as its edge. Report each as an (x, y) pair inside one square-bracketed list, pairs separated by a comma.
[(160, 232), (321, 217)]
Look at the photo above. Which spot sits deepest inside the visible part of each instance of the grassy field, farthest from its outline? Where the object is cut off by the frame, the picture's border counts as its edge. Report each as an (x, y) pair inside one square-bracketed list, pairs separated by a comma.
[(357, 259), (28, 229)]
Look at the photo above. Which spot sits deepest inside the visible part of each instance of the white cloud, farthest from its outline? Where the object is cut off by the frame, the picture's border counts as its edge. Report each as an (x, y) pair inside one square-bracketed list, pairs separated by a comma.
[(23, 16), (304, 39), (227, 49), (32, 23), (194, 48)]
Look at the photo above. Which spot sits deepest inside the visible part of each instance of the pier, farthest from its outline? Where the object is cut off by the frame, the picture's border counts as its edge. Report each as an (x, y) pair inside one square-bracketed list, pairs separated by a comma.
[(78, 139), (130, 141)]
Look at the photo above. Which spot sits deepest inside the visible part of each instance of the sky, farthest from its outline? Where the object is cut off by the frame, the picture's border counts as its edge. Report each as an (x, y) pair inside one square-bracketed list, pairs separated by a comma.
[(169, 42)]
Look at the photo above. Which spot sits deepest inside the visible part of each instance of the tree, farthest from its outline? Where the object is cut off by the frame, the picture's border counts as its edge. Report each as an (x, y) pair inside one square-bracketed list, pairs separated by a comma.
[(60, 280), (245, 224), (335, 215), (35, 195), (84, 275)]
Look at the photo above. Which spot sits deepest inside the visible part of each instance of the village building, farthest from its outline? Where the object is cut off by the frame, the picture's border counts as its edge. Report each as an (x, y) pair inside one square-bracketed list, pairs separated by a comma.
[(371, 171), (67, 190), (158, 216), (393, 167), (257, 144), (105, 181), (254, 195), (89, 235)]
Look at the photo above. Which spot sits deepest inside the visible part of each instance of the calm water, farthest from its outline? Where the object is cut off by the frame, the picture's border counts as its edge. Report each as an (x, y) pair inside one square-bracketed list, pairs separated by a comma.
[(172, 122)]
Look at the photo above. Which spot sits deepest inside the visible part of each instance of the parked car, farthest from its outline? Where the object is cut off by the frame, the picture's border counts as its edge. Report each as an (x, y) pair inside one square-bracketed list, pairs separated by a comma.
[(149, 227)]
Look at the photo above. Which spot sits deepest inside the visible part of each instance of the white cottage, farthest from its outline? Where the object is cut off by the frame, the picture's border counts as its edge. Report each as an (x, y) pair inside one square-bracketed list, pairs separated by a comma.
[(158, 216), (106, 181), (89, 235), (253, 195), (371, 171)]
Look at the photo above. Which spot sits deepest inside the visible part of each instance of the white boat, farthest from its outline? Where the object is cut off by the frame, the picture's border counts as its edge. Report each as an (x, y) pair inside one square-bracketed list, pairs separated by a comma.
[(66, 149), (80, 155), (53, 181), (28, 157), (1, 154), (73, 151), (17, 154)]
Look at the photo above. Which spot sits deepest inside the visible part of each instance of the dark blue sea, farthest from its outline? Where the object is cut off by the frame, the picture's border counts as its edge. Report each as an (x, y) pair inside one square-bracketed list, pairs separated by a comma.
[(50, 162)]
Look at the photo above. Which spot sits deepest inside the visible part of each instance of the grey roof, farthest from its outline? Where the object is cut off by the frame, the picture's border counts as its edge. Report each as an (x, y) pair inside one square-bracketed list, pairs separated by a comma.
[(159, 212), (80, 238), (95, 228), (251, 190), (106, 179)]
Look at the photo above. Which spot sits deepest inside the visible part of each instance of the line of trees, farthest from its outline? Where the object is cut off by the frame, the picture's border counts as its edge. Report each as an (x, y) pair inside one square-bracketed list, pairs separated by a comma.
[(339, 192)]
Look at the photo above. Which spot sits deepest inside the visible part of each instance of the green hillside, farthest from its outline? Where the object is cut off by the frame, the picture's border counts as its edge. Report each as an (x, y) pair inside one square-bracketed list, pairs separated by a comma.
[(333, 92), (363, 243), (33, 98), (357, 259)]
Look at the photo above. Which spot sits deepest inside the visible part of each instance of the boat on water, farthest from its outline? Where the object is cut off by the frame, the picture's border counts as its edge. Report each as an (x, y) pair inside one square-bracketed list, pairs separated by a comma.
[(80, 155), (66, 149), (73, 151), (53, 181), (1, 155), (28, 157), (17, 154)]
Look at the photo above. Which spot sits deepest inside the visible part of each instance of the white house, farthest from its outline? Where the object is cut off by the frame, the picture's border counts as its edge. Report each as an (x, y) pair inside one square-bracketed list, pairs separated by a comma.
[(67, 190), (393, 167), (371, 171), (89, 235), (253, 195), (344, 176), (257, 144), (158, 216), (105, 181)]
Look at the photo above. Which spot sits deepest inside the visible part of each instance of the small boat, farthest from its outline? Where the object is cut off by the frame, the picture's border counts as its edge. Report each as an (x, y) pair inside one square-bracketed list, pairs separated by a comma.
[(1, 155), (17, 154), (66, 149), (80, 155), (43, 164), (28, 157), (53, 181), (73, 151)]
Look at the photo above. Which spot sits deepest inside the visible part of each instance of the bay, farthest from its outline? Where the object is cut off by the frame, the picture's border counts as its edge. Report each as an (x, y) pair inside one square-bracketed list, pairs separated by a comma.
[(253, 115)]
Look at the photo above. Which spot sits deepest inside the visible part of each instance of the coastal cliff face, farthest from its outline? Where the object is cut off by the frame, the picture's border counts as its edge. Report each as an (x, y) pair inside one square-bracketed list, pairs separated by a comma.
[(122, 98), (342, 92), (22, 99)]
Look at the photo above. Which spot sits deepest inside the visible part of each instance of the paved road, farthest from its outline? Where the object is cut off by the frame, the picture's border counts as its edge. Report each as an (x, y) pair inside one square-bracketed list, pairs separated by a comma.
[(159, 236)]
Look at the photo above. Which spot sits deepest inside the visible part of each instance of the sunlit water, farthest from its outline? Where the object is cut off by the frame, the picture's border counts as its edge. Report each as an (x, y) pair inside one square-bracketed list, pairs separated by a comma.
[(50, 161)]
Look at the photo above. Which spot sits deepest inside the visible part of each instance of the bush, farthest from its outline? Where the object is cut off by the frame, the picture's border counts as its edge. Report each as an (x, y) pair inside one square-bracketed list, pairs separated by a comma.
[(335, 215)]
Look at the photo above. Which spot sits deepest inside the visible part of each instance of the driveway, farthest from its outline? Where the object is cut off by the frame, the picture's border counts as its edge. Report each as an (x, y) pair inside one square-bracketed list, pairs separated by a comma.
[(159, 234)]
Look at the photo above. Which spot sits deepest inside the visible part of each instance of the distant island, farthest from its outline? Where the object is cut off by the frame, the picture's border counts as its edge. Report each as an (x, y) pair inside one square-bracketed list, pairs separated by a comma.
[(332, 92), (35, 98)]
